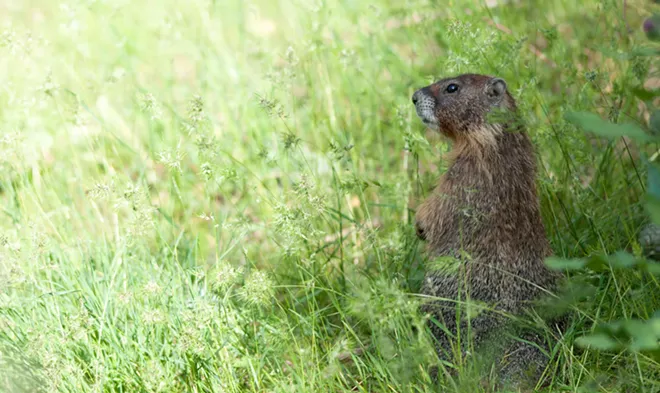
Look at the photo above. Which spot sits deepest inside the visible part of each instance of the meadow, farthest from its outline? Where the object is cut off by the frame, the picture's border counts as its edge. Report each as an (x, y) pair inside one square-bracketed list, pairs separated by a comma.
[(218, 195)]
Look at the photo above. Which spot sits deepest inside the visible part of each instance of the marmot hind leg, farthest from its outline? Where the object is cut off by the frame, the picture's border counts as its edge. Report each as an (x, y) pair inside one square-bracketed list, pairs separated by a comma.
[(523, 362)]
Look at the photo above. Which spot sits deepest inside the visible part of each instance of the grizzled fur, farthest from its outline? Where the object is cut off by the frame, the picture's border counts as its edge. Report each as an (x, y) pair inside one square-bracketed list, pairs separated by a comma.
[(484, 214)]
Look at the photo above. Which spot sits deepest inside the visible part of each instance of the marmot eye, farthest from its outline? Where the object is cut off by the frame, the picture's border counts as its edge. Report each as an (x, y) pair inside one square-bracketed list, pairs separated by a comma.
[(452, 88)]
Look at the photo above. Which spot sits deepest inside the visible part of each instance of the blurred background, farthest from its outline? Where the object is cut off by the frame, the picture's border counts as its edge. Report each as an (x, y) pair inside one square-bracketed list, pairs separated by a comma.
[(217, 196)]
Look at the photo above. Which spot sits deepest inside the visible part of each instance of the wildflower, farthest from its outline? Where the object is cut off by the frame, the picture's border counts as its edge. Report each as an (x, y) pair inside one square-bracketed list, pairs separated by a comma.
[(196, 110), (207, 217), (207, 145), (272, 107), (191, 340), (155, 376), (149, 105), (125, 298), (303, 187), (263, 153), (228, 174), (207, 170), (458, 27), (291, 57), (651, 27), (591, 76), (290, 140), (172, 159), (225, 276), (152, 288), (101, 190), (338, 151), (153, 317), (141, 222), (258, 289)]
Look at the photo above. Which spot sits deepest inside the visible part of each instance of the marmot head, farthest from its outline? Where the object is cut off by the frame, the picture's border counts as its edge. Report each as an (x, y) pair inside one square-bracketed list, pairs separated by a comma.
[(458, 107)]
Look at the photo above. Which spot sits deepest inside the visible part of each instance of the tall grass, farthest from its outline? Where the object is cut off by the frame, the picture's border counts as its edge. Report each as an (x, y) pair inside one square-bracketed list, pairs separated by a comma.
[(217, 196)]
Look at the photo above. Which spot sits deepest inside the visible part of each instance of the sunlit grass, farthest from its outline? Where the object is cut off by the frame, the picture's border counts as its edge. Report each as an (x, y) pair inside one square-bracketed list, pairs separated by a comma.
[(218, 195)]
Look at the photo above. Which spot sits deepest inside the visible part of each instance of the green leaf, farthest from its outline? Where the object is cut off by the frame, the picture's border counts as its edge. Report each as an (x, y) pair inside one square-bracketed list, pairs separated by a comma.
[(622, 260), (598, 263), (599, 341), (601, 263), (557, 263), (644, 52), (653, 207), (654, 121), (645, 95), (652, 267), (654, 323), (591, 122), (654, 181), (644, 340)]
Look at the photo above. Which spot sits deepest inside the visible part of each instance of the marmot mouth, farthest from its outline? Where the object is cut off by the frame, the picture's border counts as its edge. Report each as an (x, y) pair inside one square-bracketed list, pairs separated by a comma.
[(426, 117), (430, 123)]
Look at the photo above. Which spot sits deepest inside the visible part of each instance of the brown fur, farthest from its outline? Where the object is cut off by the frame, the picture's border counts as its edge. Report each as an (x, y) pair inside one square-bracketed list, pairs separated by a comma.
[(484, 212)]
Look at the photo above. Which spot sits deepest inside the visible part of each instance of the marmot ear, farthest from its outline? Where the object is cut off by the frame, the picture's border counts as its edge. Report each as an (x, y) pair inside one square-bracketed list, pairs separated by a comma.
[(496, 88)]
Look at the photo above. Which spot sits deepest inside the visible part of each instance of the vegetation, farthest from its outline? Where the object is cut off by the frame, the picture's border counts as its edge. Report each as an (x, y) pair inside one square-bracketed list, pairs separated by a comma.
[(217, 196)]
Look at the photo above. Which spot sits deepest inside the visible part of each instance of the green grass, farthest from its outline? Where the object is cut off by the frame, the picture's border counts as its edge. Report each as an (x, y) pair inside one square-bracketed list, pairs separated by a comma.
[(217, 196)]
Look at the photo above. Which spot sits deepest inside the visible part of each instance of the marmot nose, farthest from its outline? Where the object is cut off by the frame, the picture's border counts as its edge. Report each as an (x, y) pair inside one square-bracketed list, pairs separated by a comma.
[(415, 97)]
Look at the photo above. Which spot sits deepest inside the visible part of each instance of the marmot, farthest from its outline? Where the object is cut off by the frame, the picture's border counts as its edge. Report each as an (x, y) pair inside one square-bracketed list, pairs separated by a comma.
[(482, 223)]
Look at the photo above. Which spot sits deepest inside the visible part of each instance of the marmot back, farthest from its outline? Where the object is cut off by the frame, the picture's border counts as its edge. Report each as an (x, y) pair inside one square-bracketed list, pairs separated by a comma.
[(483, 218)]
